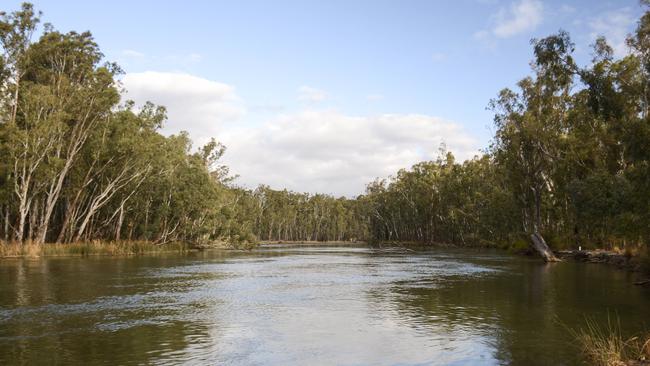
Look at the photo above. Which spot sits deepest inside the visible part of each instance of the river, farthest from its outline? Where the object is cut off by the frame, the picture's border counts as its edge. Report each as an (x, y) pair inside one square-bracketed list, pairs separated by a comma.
[(309, 305)]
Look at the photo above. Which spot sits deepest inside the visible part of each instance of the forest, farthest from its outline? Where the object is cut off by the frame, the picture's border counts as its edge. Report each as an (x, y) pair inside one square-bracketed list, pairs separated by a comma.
[(569, 161)]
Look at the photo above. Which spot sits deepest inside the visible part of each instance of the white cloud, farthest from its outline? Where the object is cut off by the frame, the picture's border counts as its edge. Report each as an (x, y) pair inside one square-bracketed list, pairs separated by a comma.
[(309, 94), (330, 152), (522, 16), (200, 106), (313, 150), (614, 25)]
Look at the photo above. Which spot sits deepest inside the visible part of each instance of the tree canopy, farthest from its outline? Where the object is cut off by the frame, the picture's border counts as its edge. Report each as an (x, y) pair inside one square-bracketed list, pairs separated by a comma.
[(570, 159)]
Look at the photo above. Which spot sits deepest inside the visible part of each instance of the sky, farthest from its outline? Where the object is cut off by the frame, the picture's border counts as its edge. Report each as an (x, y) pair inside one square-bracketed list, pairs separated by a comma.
[(326, 96)]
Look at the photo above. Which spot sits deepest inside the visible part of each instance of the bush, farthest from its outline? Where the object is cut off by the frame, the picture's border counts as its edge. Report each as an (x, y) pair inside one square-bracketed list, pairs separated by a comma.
[(519, 245), (95, 247)]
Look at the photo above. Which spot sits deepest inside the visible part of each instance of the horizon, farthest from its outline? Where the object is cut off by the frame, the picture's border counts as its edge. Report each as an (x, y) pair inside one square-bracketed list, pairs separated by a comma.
[(327, 97)]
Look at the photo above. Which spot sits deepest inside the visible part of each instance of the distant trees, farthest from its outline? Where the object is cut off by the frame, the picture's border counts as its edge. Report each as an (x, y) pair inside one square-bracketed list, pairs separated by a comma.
[(443, 201), (288, 216)]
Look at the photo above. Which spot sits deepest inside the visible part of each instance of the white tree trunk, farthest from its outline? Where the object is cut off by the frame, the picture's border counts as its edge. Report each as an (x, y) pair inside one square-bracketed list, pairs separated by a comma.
[(542, 248)]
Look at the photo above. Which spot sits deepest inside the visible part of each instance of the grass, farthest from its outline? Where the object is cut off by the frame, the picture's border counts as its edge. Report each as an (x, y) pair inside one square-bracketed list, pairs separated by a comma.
[(606, 346), (95, 247)]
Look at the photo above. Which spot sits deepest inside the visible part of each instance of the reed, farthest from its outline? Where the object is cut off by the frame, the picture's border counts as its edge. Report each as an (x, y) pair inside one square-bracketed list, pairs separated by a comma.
[(606, 346), (89, 248)]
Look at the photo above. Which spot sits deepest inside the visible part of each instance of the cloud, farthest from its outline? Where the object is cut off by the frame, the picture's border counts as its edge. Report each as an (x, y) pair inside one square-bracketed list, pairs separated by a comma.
[(309, 94), (267, 108), (197, 105), (522, 16), (331, 152), (311, 150), (613, 25)]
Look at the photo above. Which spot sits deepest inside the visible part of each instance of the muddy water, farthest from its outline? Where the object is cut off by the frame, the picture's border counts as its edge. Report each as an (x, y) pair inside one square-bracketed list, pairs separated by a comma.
[(307, 306)]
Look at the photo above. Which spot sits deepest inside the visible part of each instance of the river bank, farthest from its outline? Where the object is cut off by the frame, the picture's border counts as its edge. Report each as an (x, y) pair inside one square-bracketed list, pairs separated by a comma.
[(620, 260), (639, 263), (90, 248), (310, 242), (628, 261)]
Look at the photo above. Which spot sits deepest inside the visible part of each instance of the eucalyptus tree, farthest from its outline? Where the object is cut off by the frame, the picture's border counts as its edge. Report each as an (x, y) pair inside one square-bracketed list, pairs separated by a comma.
[(16, 30), (531, 133), (77, 166)]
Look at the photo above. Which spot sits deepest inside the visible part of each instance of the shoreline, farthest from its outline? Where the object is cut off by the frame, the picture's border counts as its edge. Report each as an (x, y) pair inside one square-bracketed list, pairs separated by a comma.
[(623, 261), (309, 242), (94, 248)]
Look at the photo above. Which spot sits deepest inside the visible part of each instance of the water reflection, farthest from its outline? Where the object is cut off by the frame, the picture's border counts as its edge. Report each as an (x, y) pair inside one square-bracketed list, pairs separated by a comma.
[(306, 306)]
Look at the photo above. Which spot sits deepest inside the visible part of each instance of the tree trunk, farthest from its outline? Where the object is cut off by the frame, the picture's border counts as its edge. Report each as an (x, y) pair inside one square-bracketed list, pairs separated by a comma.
[(6, 223), (22, 220), (542, 248), (118, 225)]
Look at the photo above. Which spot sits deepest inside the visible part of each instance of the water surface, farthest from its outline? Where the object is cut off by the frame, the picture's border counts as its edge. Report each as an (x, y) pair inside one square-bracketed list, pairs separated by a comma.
[(307, 306)]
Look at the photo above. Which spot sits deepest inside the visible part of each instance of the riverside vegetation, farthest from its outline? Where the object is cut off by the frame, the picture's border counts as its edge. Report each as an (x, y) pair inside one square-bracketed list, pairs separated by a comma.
[(569, 162), (84, 172)]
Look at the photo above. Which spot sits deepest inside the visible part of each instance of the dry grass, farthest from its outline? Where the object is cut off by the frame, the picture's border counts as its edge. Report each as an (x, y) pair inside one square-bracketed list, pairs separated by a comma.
[(95, 247), (606, 346), (629, 250)]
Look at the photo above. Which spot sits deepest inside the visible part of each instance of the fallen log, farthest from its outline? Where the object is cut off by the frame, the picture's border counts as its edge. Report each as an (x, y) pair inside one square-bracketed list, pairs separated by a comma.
[(539, 244)]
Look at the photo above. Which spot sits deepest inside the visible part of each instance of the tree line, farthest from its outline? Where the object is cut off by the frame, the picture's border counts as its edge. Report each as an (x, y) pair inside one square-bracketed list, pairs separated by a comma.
[(77, 164), (569, 161), (281, 215)]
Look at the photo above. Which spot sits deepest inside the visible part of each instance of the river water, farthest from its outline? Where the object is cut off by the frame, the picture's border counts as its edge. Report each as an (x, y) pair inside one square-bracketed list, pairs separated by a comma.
[(312, 305)]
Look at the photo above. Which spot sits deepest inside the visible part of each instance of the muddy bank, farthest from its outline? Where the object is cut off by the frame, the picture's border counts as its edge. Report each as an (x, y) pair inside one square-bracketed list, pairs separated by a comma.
[(312, 242), (618, 260), (601, 256)]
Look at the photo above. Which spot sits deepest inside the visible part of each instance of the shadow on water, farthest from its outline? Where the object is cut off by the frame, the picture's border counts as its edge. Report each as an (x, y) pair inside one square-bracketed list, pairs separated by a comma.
[(97, 311), (522, 309)]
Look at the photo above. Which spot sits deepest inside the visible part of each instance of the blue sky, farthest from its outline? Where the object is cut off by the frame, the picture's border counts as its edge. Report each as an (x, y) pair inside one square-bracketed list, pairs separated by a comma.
[(334, 72)]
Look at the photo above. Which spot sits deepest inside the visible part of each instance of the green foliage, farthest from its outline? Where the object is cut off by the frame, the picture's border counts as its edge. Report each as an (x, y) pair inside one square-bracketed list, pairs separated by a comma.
[(570, 159), (519, 246), (442, 202), (275, 215), (81, 167)]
